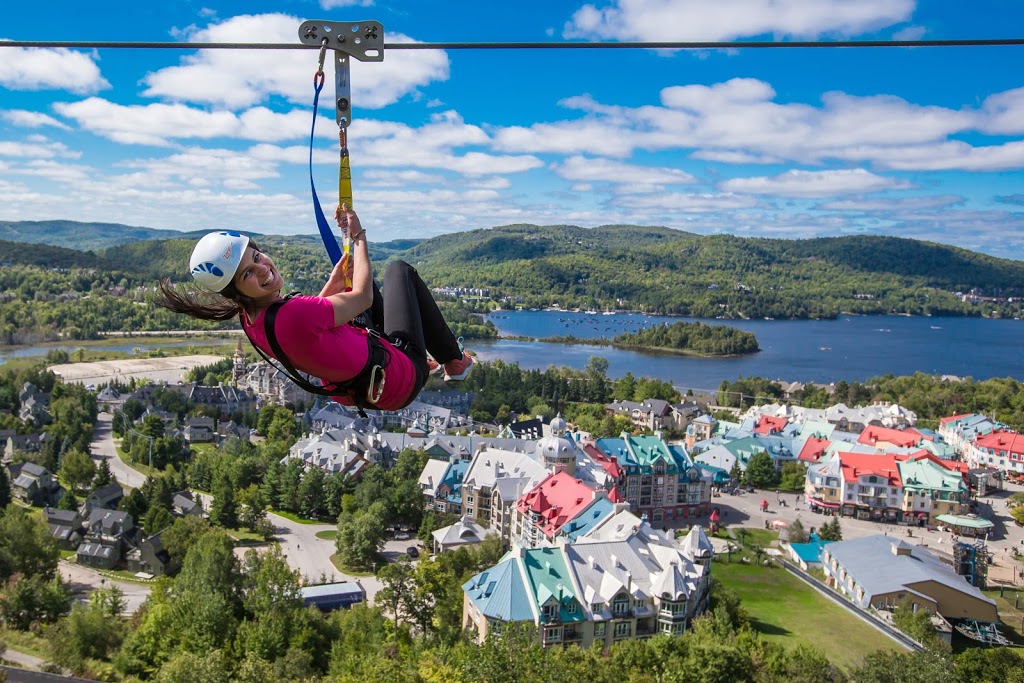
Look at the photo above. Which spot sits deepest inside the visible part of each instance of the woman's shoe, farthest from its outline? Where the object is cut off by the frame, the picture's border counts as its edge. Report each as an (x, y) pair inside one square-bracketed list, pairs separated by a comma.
[(458, 369)]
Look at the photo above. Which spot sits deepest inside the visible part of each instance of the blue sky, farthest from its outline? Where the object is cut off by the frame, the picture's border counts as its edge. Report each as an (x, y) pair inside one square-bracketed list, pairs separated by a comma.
[(925, 143)]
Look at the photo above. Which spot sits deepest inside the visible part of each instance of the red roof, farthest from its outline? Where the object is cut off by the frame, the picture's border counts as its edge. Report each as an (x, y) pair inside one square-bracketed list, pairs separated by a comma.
[(558, 498), (813, 450), (615, 496), (953, 418), (1010, 442), (770, 425), (856, 465), (904, 438), (611, 467)]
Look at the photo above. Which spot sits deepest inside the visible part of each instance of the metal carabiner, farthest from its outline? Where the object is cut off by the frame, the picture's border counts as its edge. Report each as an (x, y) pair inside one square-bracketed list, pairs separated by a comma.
[(323, 56), (371, 395)]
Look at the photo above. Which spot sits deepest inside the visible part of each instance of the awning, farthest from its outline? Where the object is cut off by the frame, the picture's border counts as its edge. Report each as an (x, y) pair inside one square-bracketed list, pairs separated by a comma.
[(823, 504), (968, 521)]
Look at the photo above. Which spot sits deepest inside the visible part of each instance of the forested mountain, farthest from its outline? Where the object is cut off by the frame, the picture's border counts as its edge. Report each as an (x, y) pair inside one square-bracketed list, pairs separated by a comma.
[(76, 235), (666, 271), (653, 269)]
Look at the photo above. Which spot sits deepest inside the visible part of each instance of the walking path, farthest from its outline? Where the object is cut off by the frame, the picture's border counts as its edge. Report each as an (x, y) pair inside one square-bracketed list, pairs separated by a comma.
[(307, 554)]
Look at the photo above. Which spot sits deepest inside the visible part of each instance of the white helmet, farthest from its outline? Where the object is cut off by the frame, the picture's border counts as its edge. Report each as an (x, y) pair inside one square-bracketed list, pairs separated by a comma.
[(216, 257)]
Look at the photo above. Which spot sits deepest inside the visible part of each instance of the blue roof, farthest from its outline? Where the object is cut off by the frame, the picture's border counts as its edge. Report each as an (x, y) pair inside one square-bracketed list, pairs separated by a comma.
[(588, 518), (809, 552), (500, 593)]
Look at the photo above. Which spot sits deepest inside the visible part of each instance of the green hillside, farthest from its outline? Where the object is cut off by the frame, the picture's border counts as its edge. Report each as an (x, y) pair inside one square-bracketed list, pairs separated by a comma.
[(620, 267), (81, 236)]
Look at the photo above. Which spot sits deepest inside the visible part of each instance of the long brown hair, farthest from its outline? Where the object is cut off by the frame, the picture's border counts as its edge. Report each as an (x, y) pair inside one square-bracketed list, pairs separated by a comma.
[(203, 304)]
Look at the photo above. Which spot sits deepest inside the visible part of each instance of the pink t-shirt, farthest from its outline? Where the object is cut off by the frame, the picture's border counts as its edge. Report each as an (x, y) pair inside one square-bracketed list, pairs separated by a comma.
[(307, 334)]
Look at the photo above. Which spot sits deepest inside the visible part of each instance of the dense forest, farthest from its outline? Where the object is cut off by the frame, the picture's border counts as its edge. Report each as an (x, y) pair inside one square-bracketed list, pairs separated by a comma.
[(81, 292), (692, 338)]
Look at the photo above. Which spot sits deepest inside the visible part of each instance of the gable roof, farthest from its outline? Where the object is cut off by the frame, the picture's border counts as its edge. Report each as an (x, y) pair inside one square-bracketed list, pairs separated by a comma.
[(906, 438), (874, 566), (500, 592), (856, 465), (558, 499)]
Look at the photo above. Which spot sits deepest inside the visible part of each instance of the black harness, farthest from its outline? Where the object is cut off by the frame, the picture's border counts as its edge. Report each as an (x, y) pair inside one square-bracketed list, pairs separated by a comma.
[(365, 389)]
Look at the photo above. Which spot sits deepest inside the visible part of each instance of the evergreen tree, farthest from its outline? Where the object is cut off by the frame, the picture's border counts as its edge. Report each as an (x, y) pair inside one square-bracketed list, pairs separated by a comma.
[(5, 489), (224, 510), (103, 475), (68, 501)]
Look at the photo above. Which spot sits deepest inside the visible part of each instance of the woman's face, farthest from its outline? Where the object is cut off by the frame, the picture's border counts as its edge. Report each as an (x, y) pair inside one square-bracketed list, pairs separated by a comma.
[(256, 277)]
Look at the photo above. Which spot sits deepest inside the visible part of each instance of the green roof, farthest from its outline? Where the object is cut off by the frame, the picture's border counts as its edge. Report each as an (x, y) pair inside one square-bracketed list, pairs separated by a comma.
[(926, 475), (548, 577), (970, 522)]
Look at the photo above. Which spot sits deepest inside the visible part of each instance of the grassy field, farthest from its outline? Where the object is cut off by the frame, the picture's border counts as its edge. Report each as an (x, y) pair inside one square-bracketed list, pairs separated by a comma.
[(1011, 612), (786, 610), (327, 535)]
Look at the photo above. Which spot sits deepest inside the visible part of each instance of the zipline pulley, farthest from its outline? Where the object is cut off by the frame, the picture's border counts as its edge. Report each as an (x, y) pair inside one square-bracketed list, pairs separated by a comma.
[(363, 40)]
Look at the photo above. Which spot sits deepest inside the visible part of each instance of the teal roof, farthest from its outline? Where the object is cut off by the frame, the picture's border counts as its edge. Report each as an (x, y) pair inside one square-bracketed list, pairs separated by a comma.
[(809, 552), (925, 475), (822, 430), (500, 592), (547, 577), (720, 474), (588, 518), (965, 521)]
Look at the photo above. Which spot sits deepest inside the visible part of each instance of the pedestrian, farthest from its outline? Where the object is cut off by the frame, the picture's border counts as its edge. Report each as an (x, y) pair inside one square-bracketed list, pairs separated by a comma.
[(381, 365)]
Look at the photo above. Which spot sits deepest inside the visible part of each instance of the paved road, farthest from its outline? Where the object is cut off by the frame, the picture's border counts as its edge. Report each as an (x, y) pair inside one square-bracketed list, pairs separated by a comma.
[(83, 580), (306, 553), (743, 510), (102, 448)]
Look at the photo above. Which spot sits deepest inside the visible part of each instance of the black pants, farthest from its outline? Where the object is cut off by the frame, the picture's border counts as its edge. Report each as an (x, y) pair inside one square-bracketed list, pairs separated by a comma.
[(409, 315)]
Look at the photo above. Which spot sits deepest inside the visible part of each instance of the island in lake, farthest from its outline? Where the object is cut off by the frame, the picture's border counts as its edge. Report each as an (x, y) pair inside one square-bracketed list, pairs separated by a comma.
[(684, 338)]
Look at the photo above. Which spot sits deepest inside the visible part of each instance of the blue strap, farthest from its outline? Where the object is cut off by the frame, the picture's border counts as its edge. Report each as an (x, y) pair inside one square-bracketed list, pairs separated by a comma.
[(330, 241)]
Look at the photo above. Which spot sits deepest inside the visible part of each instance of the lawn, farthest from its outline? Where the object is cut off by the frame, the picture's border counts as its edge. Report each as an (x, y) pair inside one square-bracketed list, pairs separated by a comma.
[(1011, 612), (786, 610), (345, 569), (328, 535)]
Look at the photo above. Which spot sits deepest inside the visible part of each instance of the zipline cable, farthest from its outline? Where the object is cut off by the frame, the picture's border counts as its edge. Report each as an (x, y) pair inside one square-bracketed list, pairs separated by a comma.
[(630, 45)]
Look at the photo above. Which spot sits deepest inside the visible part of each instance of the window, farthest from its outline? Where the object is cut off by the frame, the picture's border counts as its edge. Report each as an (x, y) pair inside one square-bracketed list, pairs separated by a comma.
[(550, 612), (622, 629), (571, 607), (599, 629), (596, 606), (621, 606), (553, 634)]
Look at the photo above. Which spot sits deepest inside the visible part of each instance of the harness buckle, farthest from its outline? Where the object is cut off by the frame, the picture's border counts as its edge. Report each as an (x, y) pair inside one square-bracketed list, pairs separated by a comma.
[(373, 391)]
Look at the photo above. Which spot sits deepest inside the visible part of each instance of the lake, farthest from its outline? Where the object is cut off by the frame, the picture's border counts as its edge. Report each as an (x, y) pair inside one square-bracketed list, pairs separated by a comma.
[(850, 348)]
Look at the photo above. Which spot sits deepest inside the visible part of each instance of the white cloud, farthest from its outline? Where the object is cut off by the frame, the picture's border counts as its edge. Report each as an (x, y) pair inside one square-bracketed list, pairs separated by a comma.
[(696, 203), (36, 147), (579, 168), (238, 79), (31, 119), (715, 20), (738, 121), (49, 69), (157, 124), (814, 183), (882, 205), (1003, 113), (334, 4)]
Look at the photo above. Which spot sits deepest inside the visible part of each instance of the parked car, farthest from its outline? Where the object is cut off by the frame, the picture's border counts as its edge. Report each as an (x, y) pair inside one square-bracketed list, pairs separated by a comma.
[(411, 551), (402, 536)]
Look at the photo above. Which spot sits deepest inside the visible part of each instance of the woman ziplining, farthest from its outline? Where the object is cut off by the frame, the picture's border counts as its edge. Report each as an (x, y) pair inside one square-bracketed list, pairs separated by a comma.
[(381, 366)]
